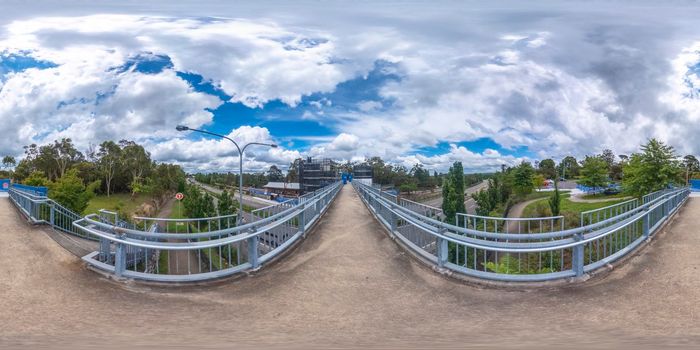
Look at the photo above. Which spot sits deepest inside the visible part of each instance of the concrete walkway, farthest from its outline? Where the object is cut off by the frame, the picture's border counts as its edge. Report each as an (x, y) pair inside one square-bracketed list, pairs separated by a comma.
[(346, 285)]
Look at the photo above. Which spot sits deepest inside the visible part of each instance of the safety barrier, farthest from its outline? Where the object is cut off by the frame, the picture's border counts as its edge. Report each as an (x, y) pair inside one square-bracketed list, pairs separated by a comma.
[(191, 250), (39, 209), (477, 250)]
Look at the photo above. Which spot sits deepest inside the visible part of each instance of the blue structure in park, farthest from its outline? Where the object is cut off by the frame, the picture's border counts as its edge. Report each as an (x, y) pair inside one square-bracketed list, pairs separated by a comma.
[(347, 177), (695, 185), (4, 185)]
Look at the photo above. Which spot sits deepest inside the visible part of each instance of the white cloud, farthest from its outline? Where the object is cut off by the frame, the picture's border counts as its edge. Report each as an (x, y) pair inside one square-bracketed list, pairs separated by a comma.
[(369, 106), (562, 84), (254, 62), (486, 161), (208, 154)]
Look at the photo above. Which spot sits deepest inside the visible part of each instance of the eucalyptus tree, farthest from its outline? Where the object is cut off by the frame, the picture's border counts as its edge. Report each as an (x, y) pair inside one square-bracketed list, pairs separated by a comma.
[(109, 157), (8, 162)]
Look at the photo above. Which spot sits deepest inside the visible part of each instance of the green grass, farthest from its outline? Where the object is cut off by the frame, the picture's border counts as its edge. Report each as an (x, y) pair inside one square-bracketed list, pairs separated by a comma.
[(115, 202), (604, 196), (568, 206), (540, 194)]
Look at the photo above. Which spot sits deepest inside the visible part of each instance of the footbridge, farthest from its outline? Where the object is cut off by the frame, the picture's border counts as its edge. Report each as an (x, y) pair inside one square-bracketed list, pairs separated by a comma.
[(357, 267)]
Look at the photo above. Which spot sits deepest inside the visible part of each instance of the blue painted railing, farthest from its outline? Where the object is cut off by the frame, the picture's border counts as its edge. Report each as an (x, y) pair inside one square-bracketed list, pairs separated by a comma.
[(192, 250), (478, 251), (35, 190), (182, 250), (39, 209)]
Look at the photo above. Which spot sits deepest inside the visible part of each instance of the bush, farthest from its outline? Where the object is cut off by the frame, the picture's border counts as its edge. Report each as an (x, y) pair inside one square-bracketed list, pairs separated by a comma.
[(542, 209), (36, 178), (70, 192)]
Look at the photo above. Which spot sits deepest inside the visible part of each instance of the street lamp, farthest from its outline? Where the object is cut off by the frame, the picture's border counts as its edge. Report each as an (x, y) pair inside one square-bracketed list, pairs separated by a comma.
[(240, 156)]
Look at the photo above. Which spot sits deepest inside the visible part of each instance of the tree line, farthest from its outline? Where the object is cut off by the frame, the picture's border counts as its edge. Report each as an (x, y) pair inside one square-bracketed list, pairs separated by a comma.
[(654, 167), (74, 177)]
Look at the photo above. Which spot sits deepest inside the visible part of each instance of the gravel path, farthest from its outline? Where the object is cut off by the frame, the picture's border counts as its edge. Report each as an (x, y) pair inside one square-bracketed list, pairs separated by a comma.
[(346, 285)]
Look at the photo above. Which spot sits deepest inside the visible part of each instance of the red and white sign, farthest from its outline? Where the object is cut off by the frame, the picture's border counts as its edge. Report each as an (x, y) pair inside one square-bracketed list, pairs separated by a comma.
[(5, 185), (179, 196)]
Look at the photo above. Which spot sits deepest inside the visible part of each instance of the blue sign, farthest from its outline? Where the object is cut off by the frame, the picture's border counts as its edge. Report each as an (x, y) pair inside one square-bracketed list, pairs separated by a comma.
[(4, 185), (695, 185)]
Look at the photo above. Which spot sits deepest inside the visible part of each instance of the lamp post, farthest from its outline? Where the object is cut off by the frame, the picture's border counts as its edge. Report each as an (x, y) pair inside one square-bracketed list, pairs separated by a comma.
[(240, 156)]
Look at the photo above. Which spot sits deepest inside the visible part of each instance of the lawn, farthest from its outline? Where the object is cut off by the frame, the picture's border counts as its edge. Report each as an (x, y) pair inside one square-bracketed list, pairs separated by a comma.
[(568, 206), (604, 196), (115, 202)]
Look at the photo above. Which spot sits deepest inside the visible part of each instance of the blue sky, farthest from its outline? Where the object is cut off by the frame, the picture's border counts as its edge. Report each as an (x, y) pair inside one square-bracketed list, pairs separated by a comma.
[(413, 82)]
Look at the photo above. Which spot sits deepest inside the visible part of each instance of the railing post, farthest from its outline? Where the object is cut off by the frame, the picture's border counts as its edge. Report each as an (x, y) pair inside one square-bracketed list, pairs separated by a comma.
[(253, 242), (119, 259), (442, 248), (393, 221), (302, 221), (52, 215), (645, 225), (104, 249), (577, 256)]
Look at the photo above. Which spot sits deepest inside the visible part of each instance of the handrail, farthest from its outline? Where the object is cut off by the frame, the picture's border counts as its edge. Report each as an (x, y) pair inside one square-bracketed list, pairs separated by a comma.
[(521, 236), (565, 253), (147, 254), (215, 253)]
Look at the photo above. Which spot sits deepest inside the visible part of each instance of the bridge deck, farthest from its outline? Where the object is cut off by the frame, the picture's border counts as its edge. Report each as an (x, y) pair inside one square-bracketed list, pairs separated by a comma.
[(349, 284)]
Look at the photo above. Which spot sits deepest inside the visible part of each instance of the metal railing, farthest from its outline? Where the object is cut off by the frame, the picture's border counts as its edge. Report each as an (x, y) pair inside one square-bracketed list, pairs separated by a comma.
[(39, 209), (190, 250), (479, 251)]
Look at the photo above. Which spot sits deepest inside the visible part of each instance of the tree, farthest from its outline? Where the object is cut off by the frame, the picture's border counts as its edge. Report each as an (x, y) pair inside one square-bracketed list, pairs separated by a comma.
[(8, 162), (690, 163), (136, 161), (522, 179), (453, 192), (555, 200), (652, 169), (293, 172), (108, 160), (70, 192), (166, 179), (609, 157), (422, 176), (594, 172), (548, 169), (569, 167), (65, 155), (408, 187), (225, 204), (274, 174), (538, 181)]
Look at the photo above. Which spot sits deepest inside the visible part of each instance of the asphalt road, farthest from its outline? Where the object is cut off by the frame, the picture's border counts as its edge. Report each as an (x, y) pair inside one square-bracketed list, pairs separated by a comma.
[(250, 201), (469, 203), (347, 286)]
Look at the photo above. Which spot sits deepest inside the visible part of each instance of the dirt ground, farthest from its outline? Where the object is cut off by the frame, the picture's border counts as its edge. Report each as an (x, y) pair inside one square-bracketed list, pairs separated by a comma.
[(347, 286)]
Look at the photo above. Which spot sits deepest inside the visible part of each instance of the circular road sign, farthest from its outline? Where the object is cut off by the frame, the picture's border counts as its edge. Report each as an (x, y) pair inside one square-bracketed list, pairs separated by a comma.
[(5, 185), (179, 196)]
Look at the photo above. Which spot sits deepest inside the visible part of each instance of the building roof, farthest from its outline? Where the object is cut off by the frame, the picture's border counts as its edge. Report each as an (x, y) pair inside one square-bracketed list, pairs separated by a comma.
[(283, 185)]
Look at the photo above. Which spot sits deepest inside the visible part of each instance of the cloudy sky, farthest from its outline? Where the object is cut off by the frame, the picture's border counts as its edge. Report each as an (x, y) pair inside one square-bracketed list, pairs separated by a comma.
[(486, 83)]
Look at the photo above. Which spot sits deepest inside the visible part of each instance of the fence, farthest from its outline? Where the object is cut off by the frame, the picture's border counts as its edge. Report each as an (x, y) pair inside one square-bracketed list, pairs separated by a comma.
[(190, 250), (40, 209), (479, 250)]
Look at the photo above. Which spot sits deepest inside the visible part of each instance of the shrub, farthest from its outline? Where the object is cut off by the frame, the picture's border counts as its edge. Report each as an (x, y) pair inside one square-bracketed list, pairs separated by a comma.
[(70, 192)]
